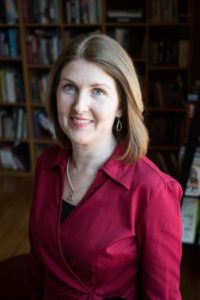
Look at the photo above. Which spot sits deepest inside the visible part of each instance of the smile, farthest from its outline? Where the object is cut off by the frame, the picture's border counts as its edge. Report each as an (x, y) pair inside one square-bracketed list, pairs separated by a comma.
[(80, 122)]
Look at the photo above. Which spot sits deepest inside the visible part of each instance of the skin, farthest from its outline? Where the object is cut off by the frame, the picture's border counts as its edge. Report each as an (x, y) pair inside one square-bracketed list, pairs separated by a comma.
[(88, 103)]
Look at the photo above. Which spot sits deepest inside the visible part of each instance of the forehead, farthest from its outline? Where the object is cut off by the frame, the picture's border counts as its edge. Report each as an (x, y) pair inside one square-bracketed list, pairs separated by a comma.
[(81, 69)]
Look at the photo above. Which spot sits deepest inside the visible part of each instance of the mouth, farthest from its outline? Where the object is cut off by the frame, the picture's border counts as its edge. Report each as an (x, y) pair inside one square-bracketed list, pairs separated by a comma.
[(80, 122)]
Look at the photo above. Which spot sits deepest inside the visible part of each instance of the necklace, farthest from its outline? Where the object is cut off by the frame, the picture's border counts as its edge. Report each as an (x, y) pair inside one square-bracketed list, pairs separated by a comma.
[(71, 195), (73, 191)]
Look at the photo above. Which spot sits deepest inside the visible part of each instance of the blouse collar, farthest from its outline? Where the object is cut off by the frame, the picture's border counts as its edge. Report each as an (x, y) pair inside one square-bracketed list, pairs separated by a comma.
[(117, 169)]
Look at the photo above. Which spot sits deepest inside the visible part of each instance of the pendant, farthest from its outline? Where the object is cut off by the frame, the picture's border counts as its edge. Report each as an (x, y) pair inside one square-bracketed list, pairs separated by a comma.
[(71, 197)]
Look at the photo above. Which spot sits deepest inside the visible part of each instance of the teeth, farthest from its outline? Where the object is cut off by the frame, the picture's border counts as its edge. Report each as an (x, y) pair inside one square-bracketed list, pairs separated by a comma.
[(78, 121)]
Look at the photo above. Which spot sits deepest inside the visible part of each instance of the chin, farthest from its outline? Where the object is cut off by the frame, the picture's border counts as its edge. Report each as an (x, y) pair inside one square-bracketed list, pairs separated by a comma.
[(83, 142)]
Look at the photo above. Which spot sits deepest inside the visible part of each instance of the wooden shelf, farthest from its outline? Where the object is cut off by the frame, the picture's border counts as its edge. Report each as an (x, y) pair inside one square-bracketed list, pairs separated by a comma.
[(125, 24), (164, 68), (37, 104), (169, 24), (166, 147), (13, 140), (39, 66), (82, 25), (39, 25), (164, 110), (10, 59), (3, 26), (15, 173), (136, 38), (44, 141), (15, 104)]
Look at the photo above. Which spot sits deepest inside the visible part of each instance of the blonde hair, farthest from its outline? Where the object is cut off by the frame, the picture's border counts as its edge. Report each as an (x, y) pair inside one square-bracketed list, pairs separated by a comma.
[(114, 60)]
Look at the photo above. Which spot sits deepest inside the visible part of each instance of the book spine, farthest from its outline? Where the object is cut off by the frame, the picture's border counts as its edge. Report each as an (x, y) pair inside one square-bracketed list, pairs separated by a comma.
[(13, 42)]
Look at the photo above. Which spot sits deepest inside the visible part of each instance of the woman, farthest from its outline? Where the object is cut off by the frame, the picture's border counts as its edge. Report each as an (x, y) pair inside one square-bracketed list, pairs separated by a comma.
[(105, 221)]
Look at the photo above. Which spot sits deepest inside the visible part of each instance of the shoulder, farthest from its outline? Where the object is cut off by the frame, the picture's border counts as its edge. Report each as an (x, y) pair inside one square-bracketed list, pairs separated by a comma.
[(141, 175), (147, 174), (151, 170)]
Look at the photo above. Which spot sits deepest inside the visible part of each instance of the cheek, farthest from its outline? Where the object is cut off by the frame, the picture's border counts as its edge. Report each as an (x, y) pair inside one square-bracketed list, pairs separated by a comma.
[(62, 111), (107, 111), (62, 105), (60, 119)]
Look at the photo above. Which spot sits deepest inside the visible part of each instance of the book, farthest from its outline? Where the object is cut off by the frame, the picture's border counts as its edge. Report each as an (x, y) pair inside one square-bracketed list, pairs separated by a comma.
[(164, 11), (11, 14), (121, 36), (10, 86), (189, 214), (68, 15), (2, 86), (125, 15), (15, 156), (13, 42), (159, 95), (183, 56), (75, 11), (43, 46), (20, 123), (43, 127), (2, 12), (21, 155), (93, 17), (2, 114), (6, 158), (193, 183), (7, 125)]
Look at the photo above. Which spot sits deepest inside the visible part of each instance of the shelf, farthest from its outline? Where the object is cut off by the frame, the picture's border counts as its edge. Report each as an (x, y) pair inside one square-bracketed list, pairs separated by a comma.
[(15, 104), (164, 110), (13, 140), (4, 26), (81, 25), (125, 24), (165, 147), (165, 68), (169, 25), (135, 36), (44, 141), (10, 59), (39, 66), (15, 173), (38, 25), (38, 105)]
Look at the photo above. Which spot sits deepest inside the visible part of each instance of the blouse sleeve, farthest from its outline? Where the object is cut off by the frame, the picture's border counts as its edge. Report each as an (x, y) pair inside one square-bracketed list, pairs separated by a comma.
[(36, 276), (160, 246), (35, 268)]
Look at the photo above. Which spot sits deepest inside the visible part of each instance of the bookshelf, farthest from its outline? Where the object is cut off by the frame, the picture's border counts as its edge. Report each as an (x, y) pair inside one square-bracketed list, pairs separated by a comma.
[(157, 35)]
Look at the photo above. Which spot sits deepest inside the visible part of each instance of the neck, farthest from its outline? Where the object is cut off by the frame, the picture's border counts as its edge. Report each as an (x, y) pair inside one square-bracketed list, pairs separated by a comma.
[(92, 157)]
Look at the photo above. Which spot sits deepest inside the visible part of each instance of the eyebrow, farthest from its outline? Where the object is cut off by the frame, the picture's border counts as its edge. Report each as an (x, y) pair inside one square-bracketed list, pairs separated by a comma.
[(92, 85)]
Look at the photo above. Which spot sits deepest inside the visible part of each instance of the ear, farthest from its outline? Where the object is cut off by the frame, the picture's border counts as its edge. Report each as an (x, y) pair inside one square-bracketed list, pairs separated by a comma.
[(119, 113)]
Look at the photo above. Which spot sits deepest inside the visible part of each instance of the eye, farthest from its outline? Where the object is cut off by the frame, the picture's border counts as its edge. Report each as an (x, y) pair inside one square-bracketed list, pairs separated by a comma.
[(69, 89), (98, 92)]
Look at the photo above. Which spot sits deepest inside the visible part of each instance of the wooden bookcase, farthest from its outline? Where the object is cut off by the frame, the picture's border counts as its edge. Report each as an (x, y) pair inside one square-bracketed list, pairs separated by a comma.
[(157, 35)]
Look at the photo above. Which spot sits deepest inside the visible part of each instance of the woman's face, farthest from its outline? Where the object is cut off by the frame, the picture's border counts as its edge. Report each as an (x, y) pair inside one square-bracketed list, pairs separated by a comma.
[(88, 103)]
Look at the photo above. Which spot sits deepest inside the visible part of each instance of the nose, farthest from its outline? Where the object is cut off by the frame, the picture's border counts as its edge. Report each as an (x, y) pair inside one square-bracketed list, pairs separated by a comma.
[(81, 102)]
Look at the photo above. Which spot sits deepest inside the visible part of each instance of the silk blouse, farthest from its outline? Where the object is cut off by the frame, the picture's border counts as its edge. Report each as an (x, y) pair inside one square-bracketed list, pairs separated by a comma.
[(122, 239)]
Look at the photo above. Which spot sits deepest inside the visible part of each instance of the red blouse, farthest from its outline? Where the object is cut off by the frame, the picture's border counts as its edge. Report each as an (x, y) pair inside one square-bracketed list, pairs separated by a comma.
[(122, 239)]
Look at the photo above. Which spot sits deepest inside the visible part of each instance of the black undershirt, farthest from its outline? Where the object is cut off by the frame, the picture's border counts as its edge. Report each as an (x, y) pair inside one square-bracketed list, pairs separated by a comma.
[(66, 210)]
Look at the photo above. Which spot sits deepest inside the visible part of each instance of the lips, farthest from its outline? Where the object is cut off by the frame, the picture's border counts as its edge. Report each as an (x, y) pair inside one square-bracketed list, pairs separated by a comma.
[(80, 122)]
